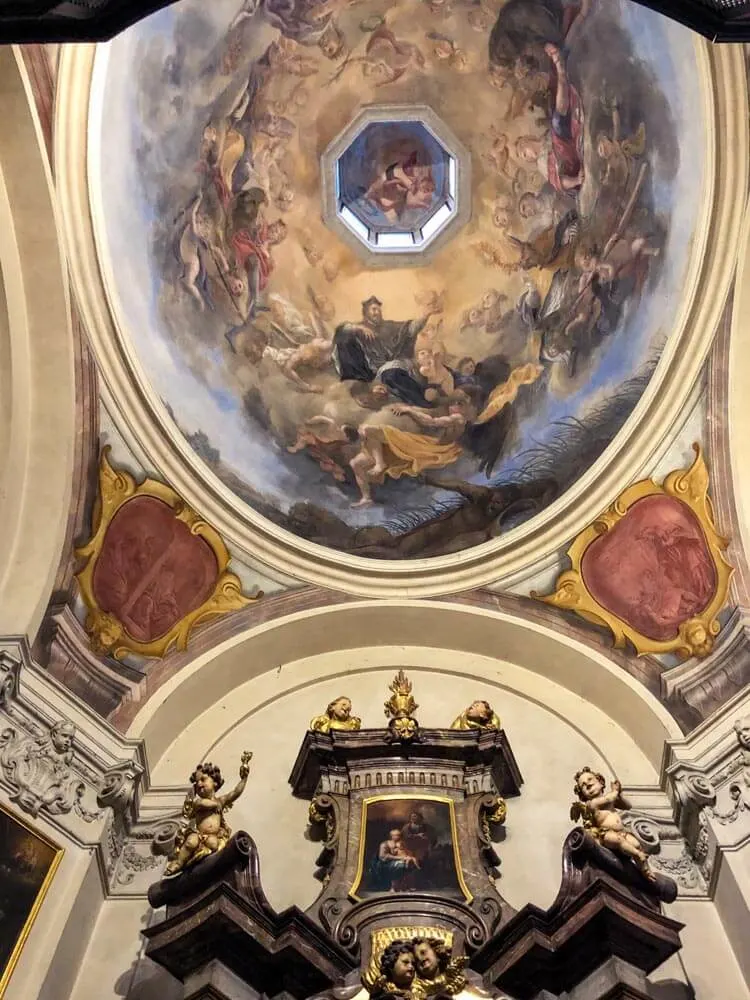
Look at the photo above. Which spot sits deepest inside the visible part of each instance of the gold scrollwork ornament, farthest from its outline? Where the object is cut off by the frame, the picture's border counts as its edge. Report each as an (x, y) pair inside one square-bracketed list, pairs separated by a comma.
[(694, 636), (399, 709)]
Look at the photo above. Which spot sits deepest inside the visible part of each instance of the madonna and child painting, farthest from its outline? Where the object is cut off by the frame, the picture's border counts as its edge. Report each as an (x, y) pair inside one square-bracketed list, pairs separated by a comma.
[(398, 412), (408, 845)]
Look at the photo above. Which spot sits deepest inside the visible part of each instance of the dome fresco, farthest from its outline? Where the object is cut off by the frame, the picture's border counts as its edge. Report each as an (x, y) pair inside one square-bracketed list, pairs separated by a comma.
[(398, 404)]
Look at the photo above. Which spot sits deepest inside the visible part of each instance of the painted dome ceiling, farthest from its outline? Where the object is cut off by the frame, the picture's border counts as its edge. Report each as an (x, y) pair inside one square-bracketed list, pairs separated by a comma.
[(398, 273)]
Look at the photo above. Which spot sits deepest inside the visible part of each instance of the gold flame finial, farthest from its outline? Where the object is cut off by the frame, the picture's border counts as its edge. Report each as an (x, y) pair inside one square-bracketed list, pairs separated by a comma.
[(400, 708)]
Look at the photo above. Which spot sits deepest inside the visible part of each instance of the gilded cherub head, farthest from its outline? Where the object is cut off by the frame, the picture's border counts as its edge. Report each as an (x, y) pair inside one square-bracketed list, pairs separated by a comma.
[(397, 964), (700, 642), (588, 784), (479, 715), (338, 715), (206, 780), (105, 631), (480, 712), (431, 957), (340, 709)]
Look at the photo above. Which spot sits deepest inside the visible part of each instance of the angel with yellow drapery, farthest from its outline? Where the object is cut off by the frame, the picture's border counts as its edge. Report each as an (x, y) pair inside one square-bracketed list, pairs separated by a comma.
[(391, 451)]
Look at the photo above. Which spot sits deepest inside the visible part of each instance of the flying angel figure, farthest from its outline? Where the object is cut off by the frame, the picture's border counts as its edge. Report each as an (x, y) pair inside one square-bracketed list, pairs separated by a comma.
[(441, 438), (309, 344)]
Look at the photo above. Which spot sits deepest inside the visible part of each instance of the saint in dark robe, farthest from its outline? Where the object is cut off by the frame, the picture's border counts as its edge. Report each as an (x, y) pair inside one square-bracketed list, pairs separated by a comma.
[(418, 837), (383, 349)]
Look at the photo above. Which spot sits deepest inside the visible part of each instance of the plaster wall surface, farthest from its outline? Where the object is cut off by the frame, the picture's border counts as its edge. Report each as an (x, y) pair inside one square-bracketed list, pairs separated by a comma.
[(733, 903), (38, 415), (710, 964), (114, 966)]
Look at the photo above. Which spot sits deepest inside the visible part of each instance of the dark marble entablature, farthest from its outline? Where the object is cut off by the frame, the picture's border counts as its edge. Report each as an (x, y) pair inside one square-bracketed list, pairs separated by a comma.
[(605, 907), (368, 747)]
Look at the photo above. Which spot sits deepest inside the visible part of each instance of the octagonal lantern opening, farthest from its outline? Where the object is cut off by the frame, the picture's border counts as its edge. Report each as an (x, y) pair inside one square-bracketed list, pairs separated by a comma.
[(395, 183)]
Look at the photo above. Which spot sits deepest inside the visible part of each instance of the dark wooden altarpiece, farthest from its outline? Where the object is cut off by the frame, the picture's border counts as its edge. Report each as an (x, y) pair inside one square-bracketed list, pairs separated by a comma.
[(442, 796)]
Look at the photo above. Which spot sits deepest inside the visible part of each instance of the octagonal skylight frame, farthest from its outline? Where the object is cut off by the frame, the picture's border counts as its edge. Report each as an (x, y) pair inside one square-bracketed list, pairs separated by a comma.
[(411, 246)]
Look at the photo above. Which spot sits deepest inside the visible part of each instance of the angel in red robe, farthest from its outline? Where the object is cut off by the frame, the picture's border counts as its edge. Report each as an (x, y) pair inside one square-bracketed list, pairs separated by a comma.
[(252, 254), (559, 154)]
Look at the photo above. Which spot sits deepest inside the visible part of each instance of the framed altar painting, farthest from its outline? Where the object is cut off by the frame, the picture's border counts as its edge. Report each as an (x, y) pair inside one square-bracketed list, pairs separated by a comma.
[(28, 862), (408, 843)]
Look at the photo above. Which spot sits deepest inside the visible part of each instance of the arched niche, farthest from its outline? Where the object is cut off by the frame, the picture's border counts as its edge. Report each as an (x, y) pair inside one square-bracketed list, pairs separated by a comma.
[(38, 388), (506, 638), (562, 706)]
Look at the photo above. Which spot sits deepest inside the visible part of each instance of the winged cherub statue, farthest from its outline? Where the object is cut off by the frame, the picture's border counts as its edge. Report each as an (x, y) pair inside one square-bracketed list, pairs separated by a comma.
[(601, 814), (204, 830)]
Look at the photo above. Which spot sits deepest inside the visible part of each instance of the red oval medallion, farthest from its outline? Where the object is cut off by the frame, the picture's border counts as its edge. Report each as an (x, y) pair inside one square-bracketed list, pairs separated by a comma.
[(653, 569), (152, 571)]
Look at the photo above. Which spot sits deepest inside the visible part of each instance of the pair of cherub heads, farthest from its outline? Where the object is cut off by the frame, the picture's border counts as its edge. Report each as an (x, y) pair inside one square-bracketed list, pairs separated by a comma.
[(417, 968), (338, 716)]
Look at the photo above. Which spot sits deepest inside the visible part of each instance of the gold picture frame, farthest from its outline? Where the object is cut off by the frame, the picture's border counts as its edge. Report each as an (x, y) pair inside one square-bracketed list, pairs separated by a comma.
[(696, 634), (18, 857), (359, 888), (108, 634)]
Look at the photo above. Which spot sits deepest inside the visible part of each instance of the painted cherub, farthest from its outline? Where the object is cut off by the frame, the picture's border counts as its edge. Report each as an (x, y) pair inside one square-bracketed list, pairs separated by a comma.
[(204, 830), (601, 813)]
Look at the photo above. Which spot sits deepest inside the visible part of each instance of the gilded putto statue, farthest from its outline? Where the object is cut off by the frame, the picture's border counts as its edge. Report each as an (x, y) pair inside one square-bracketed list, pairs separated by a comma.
[(601, 814), (204, 830)]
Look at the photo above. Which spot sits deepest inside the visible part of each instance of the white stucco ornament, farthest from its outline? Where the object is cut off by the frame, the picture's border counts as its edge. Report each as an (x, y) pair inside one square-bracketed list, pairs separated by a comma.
[(37, 766)]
